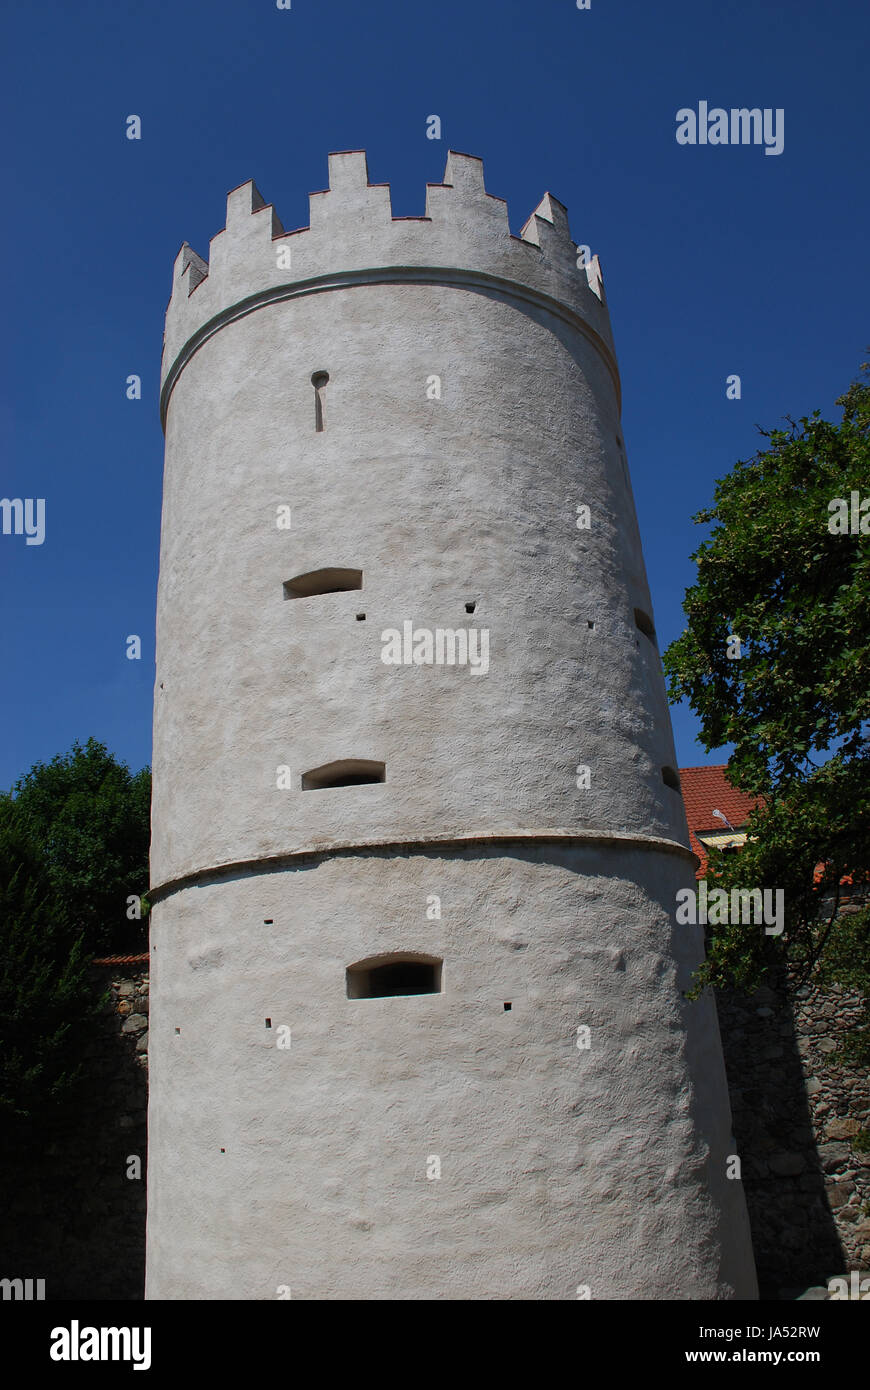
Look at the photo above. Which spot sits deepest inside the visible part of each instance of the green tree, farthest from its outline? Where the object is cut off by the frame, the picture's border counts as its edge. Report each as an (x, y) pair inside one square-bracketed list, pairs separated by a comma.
[(89, 817), (796, 703), (47, 998)]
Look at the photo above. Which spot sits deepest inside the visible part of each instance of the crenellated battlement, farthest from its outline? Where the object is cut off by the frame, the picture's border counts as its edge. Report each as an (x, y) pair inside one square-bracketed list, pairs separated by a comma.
[(463, 238)]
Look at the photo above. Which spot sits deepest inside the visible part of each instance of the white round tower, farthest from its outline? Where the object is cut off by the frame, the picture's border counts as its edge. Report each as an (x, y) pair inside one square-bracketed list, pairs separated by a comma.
[(418, 1027)]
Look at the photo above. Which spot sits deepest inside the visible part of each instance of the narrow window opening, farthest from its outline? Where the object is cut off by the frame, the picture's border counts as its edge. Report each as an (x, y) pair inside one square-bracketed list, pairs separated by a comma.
[(178, 1030), (670, 778), (507, 1008), (360, 617), (318, 381), (268, 921), (470, 607), (268, 1023), (645, 623), (589, 623), (345, 772), (325, 581), (223, 1151), (383, 977)]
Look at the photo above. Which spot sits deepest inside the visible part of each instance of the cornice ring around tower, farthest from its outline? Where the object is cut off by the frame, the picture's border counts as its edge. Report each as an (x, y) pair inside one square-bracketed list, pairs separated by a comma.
[(473, 280), (270, 863)]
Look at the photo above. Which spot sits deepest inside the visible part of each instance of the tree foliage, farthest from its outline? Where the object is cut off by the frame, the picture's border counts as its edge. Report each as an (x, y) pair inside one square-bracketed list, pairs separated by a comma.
[(89, 815), (73, 847), (796, 704), (47, 998)]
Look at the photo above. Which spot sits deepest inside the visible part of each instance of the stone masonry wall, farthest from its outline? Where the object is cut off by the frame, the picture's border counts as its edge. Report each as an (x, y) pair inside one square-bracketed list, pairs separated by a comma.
[(797, 1113), (73, 1216)]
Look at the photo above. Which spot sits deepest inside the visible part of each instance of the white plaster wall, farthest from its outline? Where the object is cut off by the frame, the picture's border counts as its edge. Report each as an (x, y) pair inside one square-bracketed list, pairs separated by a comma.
[(560, 1167), (472, 497)]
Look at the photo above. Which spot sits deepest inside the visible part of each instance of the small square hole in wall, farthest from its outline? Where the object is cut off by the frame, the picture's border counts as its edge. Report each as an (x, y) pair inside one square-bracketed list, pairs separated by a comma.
[(268, 1023), (268, 921), (590, 623), (507, 1008), (470, 607), (178, 1030), (223, 1151), (360, 617)]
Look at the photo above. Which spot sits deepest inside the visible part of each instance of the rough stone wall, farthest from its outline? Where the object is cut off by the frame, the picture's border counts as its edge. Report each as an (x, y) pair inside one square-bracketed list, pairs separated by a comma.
[(795, 1115), (72, 1216)]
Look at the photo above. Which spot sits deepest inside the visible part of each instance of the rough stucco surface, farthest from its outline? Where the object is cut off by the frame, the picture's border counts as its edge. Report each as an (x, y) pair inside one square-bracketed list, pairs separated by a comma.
[(560, 1167)]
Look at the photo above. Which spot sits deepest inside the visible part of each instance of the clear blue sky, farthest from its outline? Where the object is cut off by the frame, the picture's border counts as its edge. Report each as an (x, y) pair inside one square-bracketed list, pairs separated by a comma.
[(716, 259)]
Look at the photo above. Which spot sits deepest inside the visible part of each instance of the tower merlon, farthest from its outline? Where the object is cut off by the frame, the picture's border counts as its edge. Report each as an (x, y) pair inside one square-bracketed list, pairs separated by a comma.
[(189, 271), (350, 196), (550, 218), (595, 278), (245, 202), (461, 198)]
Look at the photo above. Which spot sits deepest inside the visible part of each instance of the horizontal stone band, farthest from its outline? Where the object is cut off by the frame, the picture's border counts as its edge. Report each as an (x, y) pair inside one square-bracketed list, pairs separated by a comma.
[(271, 863), (387, 275)]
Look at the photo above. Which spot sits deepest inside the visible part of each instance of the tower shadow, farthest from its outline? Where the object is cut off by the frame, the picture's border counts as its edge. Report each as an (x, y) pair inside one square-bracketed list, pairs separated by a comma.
[(794, 1234)]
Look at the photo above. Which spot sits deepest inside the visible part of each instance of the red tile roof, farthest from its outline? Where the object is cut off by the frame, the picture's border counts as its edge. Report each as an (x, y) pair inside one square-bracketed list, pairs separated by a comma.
[(706, 789)]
